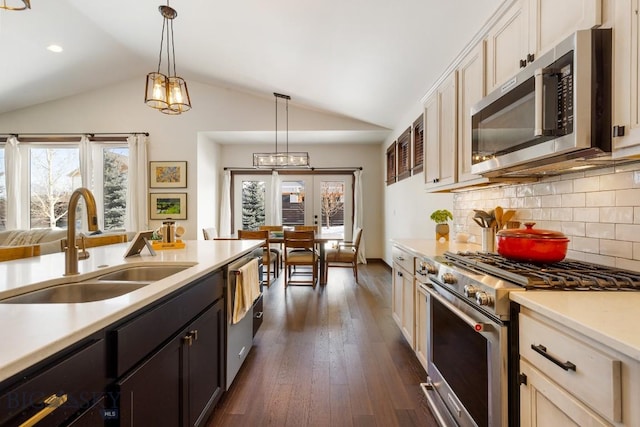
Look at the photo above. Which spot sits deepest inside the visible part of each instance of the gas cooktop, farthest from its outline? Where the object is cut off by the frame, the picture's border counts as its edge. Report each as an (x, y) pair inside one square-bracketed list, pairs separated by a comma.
[(564, 275)]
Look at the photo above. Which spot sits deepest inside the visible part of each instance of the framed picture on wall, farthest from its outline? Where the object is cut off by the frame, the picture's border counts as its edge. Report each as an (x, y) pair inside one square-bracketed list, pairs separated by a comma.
[(168, 174), (168, 205)]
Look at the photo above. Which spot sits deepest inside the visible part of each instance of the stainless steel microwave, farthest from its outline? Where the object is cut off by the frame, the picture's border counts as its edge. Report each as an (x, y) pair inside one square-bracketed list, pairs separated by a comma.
[(553, 116)]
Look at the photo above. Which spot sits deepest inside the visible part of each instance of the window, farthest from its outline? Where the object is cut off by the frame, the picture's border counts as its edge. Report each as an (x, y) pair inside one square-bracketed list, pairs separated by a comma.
[(253, 204), (115, 168), (53, 175), (391, 164), (51, 171), (418, 145), (404, 155)]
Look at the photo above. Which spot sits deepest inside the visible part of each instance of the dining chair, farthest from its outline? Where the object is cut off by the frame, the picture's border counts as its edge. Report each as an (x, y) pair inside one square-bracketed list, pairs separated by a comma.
[(275, 248), (209, 233), (9, 253), (344, 255), (299, 251), (267, 258)]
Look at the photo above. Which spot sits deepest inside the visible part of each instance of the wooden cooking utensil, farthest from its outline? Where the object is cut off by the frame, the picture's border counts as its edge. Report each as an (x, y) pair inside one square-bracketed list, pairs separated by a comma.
[(497, 213)]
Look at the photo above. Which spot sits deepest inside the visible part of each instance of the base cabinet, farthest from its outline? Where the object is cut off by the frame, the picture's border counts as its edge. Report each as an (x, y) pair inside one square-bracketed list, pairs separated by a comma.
[(422, 325), (180, 383), (403, 290)]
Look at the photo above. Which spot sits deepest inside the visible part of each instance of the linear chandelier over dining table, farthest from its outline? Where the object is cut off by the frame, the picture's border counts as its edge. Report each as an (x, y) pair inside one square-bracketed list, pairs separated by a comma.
[(281, 159)]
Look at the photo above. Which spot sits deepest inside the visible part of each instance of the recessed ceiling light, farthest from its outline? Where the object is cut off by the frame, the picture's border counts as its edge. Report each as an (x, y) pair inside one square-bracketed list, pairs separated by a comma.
[(55, 48)]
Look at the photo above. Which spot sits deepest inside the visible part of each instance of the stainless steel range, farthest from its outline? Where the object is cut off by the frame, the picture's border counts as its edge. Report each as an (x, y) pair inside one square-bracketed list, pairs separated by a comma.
[(471, 347)]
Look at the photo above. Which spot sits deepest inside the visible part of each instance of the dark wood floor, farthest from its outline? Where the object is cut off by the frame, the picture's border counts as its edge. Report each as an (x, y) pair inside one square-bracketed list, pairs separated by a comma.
[(329, 356)]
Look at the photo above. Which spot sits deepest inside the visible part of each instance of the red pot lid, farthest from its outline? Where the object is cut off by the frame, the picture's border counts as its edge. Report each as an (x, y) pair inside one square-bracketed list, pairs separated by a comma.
[(532, 233)]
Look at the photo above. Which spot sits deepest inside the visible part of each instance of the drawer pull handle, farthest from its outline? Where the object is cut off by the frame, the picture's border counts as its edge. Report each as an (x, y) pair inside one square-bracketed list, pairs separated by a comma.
[(52, 403), (400, 258), (542, 350)]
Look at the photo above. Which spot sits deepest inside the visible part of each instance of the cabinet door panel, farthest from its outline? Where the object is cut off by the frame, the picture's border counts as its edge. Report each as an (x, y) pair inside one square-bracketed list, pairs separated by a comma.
[(553, 21), (396, 297), (507, 44), (431, 140), (544, 403), (448, 122), (204, 364), (150, 395), (470, 91)]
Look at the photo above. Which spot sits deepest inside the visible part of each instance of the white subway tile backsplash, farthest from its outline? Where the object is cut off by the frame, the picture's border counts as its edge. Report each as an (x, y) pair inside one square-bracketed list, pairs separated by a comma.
[(561, 214), (576, 200), (586, 184), (601, 198), (616, 248), (586, 214), (600, 259), (551, 201), (623, 215), (574, 229), (630, 197), (616, 181), (600, 231), (628, 232), (562, 187), (585, 244), (599, 210), (628, 264)]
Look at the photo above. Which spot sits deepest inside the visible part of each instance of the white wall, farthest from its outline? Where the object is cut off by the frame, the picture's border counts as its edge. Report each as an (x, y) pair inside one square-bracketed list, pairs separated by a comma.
[(120, 108)]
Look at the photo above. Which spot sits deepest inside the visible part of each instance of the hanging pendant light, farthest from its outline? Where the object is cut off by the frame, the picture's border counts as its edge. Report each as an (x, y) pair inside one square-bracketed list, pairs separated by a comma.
[(167, 92), (15, 4), (281, 159)]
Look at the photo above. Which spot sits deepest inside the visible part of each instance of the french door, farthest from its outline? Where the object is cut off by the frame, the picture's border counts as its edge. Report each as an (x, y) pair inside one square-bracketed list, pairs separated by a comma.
[(319, 199)]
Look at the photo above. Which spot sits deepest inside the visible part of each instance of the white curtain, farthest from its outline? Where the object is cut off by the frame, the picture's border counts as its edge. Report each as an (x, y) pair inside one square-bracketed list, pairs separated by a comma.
[(13, 171), (358, 213), (276, 199), (86, 162), (225, 206), (137, 206)]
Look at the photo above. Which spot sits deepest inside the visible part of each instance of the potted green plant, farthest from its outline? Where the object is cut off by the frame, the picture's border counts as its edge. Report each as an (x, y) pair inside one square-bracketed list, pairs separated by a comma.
[(441, 218)]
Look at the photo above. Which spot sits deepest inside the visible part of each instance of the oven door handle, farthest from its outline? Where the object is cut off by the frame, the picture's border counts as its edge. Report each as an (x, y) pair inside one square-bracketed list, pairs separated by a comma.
[(476, 326)]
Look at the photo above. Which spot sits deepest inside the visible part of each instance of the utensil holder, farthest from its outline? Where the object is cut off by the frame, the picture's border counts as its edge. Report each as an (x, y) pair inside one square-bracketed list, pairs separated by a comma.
[(488, 239)]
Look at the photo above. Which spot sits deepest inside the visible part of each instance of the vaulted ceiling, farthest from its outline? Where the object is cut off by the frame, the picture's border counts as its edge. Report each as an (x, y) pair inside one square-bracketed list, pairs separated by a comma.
[(365, 59)]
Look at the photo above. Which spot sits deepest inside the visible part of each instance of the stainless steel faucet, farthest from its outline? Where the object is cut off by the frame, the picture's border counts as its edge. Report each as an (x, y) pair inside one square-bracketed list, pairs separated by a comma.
[(71, 251)]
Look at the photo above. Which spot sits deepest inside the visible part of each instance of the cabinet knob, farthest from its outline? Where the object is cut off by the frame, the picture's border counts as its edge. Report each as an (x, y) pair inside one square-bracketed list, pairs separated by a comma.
[(530, 57), (523, 63), (618, 131), (188, 339), (194, 334)]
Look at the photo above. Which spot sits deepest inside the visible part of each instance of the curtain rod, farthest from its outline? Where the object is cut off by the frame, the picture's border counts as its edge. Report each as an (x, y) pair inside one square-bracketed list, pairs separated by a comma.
[(6, 135), (350, 168)]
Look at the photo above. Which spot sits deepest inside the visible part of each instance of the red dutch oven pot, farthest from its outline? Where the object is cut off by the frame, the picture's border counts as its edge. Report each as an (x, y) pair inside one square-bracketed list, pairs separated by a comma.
[(532, 245)]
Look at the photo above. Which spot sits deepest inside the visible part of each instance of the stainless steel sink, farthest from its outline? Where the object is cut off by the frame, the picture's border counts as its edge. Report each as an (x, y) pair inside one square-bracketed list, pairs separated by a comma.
[(106, 286), (146, 273), (76, 292)]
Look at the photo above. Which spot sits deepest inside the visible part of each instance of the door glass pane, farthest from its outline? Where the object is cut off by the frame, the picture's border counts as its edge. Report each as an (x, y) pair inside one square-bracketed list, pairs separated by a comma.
[(332, 206), (55, 173), (115, 176), (253, 204), (293, 206)]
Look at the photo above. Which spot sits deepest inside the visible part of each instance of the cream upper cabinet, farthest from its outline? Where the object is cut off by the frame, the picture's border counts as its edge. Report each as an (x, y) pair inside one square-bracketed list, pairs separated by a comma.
[(507, 44), (551, 21), (470, 90), (532, 27), (626, 84), (440, 113)]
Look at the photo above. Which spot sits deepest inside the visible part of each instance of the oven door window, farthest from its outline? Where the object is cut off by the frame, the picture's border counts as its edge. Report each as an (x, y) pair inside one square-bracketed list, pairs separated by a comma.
[(460, 354)]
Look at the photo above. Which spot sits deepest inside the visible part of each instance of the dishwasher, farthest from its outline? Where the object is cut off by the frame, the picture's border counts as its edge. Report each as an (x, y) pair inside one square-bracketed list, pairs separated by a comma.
[(240, 334)]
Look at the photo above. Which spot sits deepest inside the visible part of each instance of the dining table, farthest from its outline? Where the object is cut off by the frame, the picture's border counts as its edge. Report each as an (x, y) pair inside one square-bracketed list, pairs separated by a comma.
[(321, 239)]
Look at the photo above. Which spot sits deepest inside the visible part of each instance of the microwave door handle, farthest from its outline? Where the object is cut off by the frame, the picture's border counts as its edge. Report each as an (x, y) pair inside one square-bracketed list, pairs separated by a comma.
[(539, 101), (538, 125)]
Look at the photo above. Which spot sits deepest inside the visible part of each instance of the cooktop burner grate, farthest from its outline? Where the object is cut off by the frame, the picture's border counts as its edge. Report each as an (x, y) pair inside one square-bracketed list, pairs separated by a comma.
[(564, 275)]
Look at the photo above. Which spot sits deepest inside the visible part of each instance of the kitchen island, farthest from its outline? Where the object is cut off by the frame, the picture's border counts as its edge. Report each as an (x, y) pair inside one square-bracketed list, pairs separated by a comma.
[(33, 335)]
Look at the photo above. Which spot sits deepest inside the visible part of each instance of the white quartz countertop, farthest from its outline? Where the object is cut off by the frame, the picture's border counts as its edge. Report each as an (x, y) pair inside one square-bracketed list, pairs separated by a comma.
[(30, 333), (607, 317), (426, 247)]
